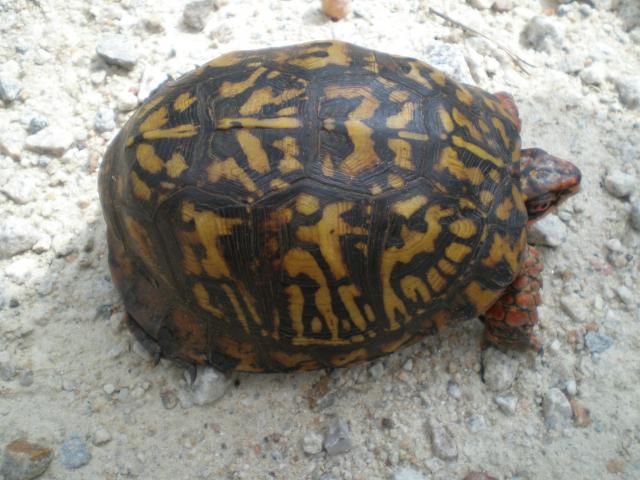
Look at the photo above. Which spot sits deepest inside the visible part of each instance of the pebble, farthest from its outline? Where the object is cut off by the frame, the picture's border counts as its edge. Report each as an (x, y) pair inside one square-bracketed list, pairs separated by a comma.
[(549, 231), (22, 270), (543, 33), (482, 476), (50, 141), (104, 120), (118, 50), (100, 436), (597, 342), (634, 214), (36, 123), (571, 387), (507, 403), (499, 370), (594, 74), (450, 59), (408, 473), (502, 6), (10, 88), (556, 408), (454, 390), (21, 188), (443, 444), (376, 370), (16, 236), (194, 15), (336, 9), (126, 101), (481, 4), (476, 423), (626, 295), (23, 460), (209, 387), (74, 453), (153, 24), (337, 438), (629, 91), (312, 443), (619, 184)]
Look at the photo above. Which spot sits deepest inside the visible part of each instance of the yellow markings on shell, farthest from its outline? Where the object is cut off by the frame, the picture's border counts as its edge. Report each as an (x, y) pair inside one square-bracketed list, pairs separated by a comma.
[(376, 189), (407, 208), (307, 204), (445, 119), (476, 150), (481, 297), (230, 170), (327, 165), (423, 137), (130, 141), (210, 227), (278, 184), (449, 161), (348, 294), (150, 105), (273, 74), (336, 55), (296, 307), (140, 189), (399, 96), (252, 148), (501, 250), (297, 261), (183, 101), (299, 361), (395, 181), (155, 120), (227, 60), (204, 301), (466, 203), (287, 111), (438, 77), (141, 242), (176, 165), (412, 287), (464, 96), (518, 199), (236, 307), (289, 146), (179, 131), (463, 228), (370, 62), (463, 121), (231, 89), (403, 117), (486, 197), (363, 157), (147, 158), (264, 96), (436, 281), (483, 126), (316, 325), (495, 175), (497, 123), (457, 251), (368, 311), (446, 267), (402, 152), (326, 234), (415, 75), (503, 212), (250, 122), (167, 186), (415, 242)]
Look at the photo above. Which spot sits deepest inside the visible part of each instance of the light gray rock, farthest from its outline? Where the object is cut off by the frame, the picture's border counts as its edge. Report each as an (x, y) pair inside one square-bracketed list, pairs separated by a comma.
[(126, 101), (100, 436), (10, 87), (195, 14), (549, 231), (104, 120), (502, 6), (210, 386), (24, 461), (376, 370), (408, 473), (74, 453), (450, 59), (499, 370), (63, 244), (481, 4), (634, 214), (629, 91), (543, 33), (556, 408), (20, 188), (619, 184), (337, 438), (597, 342), (22, 270), (17, 235), (594, 74), (476, 423), (36, 123), (50, 141), (454, 390), (312, 443), (443, 445), (118, 50), (507, 403), (626, 295)]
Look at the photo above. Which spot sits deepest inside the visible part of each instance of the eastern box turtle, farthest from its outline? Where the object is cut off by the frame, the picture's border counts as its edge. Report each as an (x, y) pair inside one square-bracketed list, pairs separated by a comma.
[(321, 204)]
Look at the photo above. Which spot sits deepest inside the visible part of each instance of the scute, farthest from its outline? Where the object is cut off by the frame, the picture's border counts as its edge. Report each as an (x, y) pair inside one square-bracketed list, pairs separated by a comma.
[(310, 206)]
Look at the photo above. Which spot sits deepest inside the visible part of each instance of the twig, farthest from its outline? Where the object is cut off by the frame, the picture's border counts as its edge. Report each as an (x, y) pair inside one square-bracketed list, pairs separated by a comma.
[(516, 59)]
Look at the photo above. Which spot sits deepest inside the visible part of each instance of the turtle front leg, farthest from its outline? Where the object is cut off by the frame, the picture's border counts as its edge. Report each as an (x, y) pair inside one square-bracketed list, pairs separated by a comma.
[(510, 321)]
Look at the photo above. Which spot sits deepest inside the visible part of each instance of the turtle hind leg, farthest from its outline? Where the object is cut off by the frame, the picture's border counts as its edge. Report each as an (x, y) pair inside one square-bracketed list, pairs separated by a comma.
[(510, 321)]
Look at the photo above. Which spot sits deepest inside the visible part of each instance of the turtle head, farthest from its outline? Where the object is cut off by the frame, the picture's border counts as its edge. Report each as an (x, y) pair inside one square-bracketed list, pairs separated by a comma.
[(546, 181)]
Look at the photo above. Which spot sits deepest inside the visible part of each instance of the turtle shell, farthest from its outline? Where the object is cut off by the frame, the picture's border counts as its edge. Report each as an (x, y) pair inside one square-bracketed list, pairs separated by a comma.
[(311, 206)]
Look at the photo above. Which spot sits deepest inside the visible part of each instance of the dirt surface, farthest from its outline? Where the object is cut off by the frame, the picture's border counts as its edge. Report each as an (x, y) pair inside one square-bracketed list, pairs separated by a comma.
[(74, 381)]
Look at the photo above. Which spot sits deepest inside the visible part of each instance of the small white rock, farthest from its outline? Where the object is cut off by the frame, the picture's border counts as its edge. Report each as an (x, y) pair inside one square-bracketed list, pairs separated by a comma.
[(507, 403), (108, 388), (619, 184), (210, 386), (337, 438), (629, 90), (100, 436), (556, 408), (549, 231), (312, 443), (594, 74), (499, 369), (118, 50), (104, 120), (626, 295), (195, 14), (21, 270), (634, 214), (407, 473), (50, 141), (17, 235), (443, 445), (543, 33), (126, 101)]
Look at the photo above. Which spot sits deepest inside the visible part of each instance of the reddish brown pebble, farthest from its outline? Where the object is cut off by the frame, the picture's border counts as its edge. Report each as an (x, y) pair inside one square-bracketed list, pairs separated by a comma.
[(616, 465), (335, 9), (591, 327), (580, 414), (25, 460), (479, 476)]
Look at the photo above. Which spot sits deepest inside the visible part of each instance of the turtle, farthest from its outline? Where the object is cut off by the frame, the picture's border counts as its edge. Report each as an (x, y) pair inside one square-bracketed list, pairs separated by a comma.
[(322, 204)]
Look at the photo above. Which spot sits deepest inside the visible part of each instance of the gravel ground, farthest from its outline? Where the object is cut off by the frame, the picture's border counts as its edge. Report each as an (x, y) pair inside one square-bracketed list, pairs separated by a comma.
[(80, 399)]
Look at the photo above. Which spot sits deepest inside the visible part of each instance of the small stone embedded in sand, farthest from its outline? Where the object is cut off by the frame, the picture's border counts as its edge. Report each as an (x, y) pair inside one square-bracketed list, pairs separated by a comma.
[(499, 369), (17, 235), (118, 50), (23, 460), (312, 443), (408, 473), (620, 184), (597, 342), (556, 408), (10, 88), (543, 33), (50, 141), (443, 445), (336, 9), (104, 120), (549, 231), (507, 403), (195, 14), (74, 453), (337, 438), (100, 436)]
